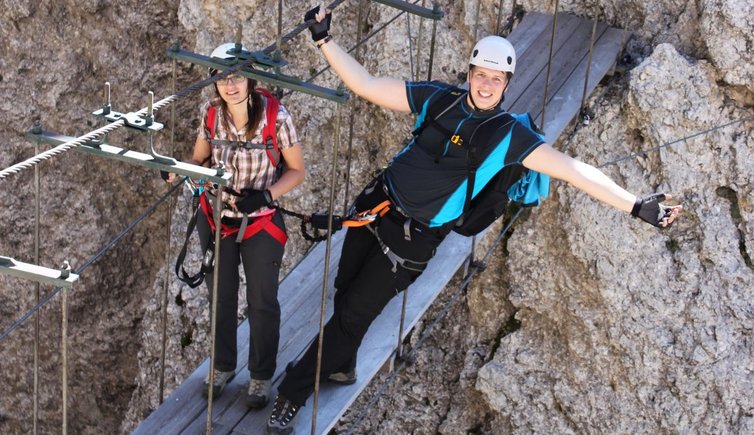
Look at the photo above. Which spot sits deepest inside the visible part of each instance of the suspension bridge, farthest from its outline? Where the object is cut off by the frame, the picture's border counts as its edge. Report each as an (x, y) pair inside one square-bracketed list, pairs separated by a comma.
[(561, 59)]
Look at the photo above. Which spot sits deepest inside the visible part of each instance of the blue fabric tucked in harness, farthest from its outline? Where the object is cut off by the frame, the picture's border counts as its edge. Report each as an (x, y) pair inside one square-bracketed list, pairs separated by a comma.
[(533, 187)]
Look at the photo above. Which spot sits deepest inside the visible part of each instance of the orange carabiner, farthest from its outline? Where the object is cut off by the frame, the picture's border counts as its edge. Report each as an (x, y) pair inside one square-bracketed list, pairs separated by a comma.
[(366, 217)]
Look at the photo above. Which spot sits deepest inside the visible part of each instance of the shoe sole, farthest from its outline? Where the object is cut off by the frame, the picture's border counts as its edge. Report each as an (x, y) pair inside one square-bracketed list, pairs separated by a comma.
[(256, 404), (339, 382)]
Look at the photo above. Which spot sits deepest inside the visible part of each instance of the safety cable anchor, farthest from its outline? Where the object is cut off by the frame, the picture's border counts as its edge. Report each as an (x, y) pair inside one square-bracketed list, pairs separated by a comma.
[(132, 120), (36, 127), (404, 357), (481, 266), (65, 270)]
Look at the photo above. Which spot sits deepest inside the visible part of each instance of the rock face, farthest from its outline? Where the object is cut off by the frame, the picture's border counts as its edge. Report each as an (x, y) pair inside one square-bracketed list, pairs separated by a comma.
[(585, 320)]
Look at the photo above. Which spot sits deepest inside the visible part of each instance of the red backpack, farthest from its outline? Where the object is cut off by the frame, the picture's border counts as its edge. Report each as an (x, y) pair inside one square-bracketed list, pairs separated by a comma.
[(269, 133)]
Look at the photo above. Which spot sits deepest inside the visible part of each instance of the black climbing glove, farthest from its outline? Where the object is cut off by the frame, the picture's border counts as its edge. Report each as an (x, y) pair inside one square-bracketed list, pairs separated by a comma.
[(319, 221), (650, 210), (319, 29), (252, 200)]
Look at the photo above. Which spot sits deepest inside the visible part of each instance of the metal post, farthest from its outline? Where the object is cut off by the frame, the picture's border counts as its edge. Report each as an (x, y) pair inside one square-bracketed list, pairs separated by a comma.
[(325, 277), (476, 18), (410, 45), (499, 17), (352, 107), (166, 282), (64, 355), (432, 44), (37, 292), (399, 347), (218, 205), (589, 62), (418, 47), (549, 64)]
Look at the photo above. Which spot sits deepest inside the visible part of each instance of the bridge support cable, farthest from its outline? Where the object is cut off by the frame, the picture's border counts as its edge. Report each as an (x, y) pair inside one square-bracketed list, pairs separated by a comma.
[(38, 295), (92, 137), (217, 213), (64, 279), (549, 64), (444, 312), (432, 45), (64, 354), (418, 47), (168, 237), (403, 5), (363, 4), (325, 275), (589, 64)]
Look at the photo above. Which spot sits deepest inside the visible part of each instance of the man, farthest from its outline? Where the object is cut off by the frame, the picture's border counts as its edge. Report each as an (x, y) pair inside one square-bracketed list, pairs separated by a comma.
[(429, 186)]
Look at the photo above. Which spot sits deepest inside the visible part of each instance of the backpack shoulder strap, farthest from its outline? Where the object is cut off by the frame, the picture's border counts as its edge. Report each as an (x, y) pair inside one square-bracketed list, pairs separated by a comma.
[(436, 108), (269, 133), (211, 121)]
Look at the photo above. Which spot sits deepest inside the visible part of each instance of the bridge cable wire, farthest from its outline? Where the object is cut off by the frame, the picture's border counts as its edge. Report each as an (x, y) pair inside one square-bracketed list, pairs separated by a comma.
[(81, 140), (448, 305), (89, 262)]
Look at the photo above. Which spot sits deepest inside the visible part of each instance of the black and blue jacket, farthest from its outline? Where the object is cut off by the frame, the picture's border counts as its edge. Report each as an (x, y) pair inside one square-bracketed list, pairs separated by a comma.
[(428, 178)]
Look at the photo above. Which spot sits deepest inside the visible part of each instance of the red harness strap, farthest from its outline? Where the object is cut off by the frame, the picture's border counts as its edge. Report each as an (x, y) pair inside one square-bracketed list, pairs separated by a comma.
[(261, 223)]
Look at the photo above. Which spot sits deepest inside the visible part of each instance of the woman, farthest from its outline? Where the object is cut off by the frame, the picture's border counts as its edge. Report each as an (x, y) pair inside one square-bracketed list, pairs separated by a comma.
[(231, 133)]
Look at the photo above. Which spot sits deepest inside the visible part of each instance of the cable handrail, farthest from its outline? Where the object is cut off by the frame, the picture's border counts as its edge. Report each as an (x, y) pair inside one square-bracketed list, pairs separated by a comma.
[(93, 135)]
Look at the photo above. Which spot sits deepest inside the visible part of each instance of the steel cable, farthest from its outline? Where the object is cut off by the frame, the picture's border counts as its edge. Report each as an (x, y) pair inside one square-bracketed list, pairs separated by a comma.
[(89, 262), (446, 309)]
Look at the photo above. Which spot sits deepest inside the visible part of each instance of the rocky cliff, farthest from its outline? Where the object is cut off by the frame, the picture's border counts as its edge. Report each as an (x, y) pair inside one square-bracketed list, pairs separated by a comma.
[(585, 319)]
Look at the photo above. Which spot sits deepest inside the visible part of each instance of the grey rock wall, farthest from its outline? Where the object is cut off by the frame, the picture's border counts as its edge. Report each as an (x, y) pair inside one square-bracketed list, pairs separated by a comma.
[(584, 321)]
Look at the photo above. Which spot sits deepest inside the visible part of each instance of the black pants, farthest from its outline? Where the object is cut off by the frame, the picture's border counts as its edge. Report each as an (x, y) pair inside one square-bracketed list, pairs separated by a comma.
[(365, 284), (261, 255)]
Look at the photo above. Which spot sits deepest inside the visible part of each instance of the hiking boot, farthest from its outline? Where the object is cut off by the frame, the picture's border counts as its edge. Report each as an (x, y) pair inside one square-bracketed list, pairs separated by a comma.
[(221, 380), (259, 393), (343, 378), (283, 417)]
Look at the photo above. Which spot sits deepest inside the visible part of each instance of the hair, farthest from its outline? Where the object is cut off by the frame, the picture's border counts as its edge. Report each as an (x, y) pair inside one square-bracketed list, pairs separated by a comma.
[(254, 105), (508, 74)]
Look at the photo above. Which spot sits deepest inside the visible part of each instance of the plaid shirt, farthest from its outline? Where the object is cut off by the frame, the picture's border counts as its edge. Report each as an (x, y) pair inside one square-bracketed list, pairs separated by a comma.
[(251, 168)]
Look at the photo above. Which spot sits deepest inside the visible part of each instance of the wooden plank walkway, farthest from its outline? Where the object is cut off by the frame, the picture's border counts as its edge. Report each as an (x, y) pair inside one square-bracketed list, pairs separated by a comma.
[(184, 411)]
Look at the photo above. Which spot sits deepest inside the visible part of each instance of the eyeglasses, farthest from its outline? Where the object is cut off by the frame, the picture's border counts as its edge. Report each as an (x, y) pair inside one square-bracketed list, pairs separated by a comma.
[(236, 80)]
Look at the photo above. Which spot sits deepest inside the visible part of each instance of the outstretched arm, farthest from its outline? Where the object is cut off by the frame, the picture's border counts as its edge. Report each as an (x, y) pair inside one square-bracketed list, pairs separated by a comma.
[(594, 182), (386, 92)]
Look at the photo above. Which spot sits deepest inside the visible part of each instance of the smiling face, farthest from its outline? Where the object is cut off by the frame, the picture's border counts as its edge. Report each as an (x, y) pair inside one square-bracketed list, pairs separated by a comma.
[(486, 87), (233, 89)]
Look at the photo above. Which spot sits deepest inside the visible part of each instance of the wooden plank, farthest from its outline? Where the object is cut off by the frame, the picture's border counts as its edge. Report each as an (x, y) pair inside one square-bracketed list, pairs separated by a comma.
[(381, 339), (566, 103), (530, 28), (300, 297), (186, 403), (573, 52), (534, 61)]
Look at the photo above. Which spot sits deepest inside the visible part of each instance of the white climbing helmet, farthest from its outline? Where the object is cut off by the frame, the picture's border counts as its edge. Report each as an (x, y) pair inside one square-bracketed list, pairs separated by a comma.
[(221, 52), (494, 52)]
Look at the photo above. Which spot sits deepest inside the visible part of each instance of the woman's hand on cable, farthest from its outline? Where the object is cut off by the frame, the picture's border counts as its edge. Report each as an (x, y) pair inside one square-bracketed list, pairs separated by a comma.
[(252, 200), (650, 210), (321, 26)]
